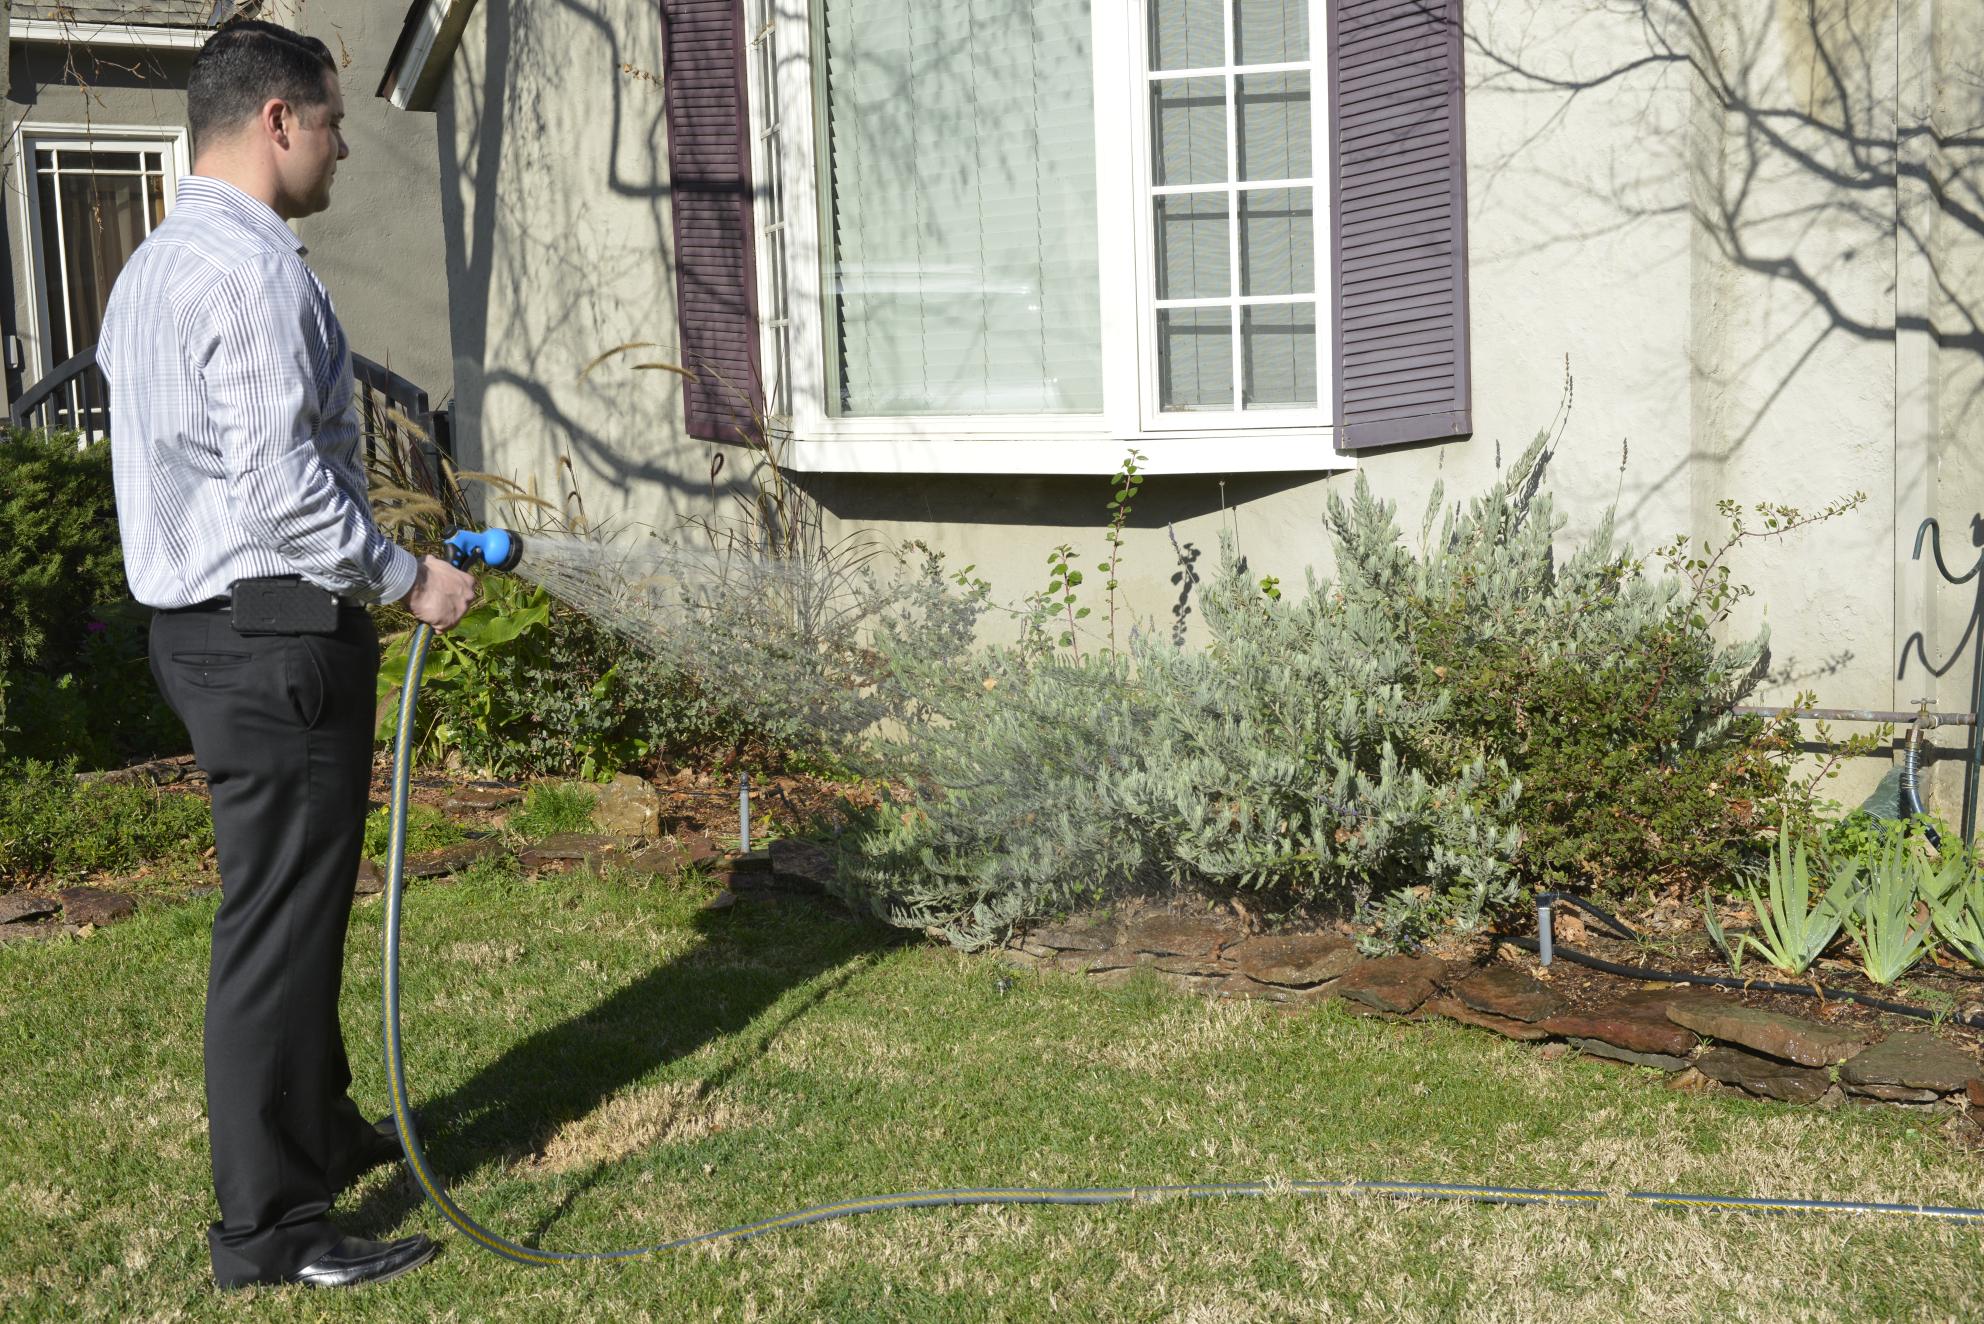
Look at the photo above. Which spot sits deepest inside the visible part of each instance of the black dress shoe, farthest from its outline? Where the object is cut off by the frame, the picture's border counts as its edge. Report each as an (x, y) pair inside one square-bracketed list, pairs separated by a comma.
[(379, 1148), (353, 1261)]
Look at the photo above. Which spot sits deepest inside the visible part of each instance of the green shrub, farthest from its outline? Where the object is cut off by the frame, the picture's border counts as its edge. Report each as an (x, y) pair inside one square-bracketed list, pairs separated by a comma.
[(1416, 741), (551, 808), (54, 826), (74, 682), (59, 554), (526, 687)]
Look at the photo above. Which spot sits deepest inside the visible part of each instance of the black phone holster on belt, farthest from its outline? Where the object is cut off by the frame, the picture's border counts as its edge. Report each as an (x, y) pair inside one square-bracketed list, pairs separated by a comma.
[(282, 604)]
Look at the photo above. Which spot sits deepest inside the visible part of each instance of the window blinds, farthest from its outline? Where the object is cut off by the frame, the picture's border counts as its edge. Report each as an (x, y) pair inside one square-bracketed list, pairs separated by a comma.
[(959, 240)]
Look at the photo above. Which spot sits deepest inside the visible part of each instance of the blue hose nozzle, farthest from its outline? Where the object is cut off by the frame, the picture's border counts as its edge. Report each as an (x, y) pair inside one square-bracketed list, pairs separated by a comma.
[(499, 549)]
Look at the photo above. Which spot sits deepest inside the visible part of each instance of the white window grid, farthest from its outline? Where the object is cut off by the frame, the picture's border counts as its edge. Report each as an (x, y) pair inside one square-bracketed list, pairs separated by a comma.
[(788, 92), (1155, 415), (38, 138)]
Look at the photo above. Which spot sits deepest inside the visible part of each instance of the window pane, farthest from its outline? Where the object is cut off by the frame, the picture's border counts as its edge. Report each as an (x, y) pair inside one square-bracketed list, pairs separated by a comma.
[(1277, 241), (103, 222), (1195, 358), (1278, 343), (100, 162), (1274, 126), (1270, 31), (960, 239), (1186, 34), (52, 278), (1189, 120), (1194, 255)]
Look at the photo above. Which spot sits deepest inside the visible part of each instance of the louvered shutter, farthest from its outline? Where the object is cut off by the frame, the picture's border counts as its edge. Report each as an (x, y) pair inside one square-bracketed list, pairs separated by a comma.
[(1399, 221), (709, 166)]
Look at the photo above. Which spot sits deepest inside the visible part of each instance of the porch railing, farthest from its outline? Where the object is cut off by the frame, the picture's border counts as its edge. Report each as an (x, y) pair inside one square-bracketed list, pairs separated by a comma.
[(392, 411)]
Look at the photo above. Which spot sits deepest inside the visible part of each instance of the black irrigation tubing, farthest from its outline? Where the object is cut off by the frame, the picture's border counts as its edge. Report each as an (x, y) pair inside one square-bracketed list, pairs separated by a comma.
[(1651, 974)]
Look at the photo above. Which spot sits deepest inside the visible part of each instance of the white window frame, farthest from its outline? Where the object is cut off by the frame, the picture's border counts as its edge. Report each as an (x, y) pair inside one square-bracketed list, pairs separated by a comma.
[(785, 137), (76, 137)]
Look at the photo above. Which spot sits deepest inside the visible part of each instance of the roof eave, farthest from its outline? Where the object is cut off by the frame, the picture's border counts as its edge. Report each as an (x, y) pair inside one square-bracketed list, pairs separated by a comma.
[(426, 48)]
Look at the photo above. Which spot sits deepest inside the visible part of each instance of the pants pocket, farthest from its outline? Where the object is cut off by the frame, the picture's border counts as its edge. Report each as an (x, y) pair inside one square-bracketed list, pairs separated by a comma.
[(211, 671), (303, 677)]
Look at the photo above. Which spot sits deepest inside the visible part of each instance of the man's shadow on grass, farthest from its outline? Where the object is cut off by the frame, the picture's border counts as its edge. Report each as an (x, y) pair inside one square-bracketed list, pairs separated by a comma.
[(509, 1111)]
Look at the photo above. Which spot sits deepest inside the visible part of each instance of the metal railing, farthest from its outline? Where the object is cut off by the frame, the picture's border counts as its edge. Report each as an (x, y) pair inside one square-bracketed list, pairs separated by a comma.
[(392, 411)]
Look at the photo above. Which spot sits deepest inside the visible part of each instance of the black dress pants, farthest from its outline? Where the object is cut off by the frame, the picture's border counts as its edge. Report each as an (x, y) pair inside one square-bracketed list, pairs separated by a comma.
[(283, 726)]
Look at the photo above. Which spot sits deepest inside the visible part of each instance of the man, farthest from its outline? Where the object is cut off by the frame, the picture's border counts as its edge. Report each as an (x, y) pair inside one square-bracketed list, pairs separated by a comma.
[(241, 500)]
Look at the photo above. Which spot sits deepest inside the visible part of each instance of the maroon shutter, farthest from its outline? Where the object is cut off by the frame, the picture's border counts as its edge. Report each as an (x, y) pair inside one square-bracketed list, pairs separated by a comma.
[(709, 167), (1398, 175)]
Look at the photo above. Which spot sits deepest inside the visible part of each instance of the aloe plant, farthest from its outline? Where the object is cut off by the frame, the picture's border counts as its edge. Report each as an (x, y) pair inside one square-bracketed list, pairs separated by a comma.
[(1883, 919), (1792, 928), (1733, 952), (1955, 893)]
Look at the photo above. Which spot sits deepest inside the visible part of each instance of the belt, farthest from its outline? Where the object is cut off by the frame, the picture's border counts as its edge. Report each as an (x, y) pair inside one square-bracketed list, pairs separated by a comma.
[(211, 604)]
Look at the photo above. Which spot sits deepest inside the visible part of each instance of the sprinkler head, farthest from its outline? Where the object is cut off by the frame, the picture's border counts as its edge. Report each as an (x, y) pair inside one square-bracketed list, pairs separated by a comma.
[(499, 549)]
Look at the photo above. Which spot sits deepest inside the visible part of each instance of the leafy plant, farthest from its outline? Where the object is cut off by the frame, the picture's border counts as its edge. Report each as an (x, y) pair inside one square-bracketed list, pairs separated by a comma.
[(53, 825), (1887, 919), (1793, 928), (1129, 479), (1732, 951), (1955, 896), (427, 828), (552, 808)]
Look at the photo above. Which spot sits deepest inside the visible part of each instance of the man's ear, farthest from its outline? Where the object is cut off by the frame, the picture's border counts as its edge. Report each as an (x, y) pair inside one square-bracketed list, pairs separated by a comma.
[(277, 118)]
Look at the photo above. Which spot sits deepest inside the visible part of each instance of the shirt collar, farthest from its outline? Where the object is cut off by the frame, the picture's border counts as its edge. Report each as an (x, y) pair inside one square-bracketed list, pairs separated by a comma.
[(204, 191)]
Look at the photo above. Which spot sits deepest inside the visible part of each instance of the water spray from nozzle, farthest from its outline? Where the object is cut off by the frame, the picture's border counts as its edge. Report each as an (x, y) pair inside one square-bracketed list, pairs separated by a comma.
[(499, 549)]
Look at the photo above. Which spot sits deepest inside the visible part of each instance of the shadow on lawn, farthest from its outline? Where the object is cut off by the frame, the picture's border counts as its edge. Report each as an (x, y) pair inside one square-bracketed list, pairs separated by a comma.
[(507, 1112)]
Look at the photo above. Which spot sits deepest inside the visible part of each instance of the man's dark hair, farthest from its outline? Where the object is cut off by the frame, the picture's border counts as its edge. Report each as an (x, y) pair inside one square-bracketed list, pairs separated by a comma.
[(246, 65)]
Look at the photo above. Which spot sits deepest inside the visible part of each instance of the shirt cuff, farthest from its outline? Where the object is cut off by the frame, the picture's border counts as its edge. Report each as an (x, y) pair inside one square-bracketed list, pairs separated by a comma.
[(405, 568)]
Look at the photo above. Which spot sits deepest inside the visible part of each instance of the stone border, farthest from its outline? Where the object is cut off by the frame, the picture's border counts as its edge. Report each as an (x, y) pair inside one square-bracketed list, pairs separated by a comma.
[(1703, 1039)]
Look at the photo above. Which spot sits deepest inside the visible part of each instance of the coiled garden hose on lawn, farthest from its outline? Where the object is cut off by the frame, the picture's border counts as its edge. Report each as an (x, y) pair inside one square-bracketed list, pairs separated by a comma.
[(465, 550)]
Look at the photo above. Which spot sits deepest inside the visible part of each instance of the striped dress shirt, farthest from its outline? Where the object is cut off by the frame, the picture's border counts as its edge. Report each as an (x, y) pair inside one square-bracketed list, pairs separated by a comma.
[(234, 434)]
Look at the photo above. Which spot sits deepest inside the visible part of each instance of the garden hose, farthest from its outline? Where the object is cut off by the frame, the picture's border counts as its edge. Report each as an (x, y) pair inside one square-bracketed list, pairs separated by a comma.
[(1546, 947), (436, 1190)]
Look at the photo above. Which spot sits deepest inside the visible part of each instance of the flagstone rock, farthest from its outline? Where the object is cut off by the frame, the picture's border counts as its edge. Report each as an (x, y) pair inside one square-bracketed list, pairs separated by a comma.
[(1173, 935), (452, 859), (1765, 1076), (1191, 966), (1792, 1038), (1892, 1093), (627, 806), (1508, 1026), (1633, 1025), (664, 859), (477, 799), (1090, 963), (371, 879), (1240, 986), (91, 905), (567, 851), (1910, 1060), (1503, 990), (1395, 984), (1297, 961), (801, 863), (1076, 936), (1659, 1061), (25, 907)]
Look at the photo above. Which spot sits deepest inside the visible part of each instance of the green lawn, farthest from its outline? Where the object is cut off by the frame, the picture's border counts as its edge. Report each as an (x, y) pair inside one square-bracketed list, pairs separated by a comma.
[(601, 1064)]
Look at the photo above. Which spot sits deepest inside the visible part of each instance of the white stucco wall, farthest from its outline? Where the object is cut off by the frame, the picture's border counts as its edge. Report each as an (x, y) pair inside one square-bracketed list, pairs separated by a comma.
[(1695, 207)]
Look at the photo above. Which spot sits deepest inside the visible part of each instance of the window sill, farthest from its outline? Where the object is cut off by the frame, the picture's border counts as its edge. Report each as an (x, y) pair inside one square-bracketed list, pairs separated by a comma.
[(1307, 451)]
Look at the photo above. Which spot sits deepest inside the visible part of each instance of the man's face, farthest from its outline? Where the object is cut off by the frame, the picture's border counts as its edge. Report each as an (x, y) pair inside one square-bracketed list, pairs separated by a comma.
[(316, 145)]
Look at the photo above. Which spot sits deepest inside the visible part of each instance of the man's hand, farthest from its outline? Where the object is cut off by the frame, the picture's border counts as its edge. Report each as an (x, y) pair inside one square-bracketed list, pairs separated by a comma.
[(441, 595)]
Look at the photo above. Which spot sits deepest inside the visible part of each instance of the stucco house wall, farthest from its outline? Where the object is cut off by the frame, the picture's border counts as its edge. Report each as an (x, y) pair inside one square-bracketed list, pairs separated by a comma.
[(1748, 231)]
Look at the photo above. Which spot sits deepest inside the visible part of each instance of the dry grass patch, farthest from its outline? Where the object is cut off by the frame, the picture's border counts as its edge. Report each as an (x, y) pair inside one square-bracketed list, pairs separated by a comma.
[(641, 1119)]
